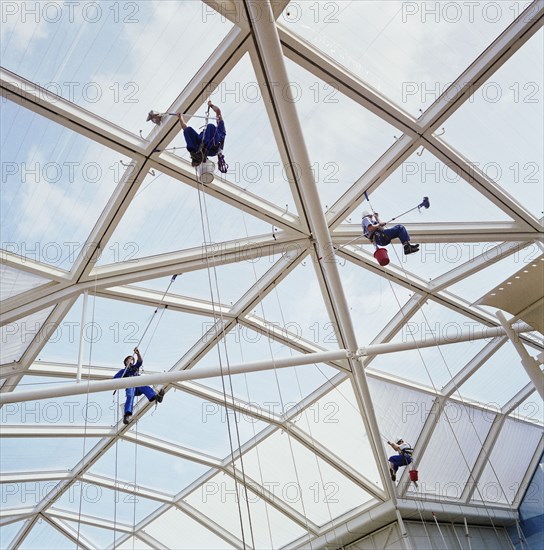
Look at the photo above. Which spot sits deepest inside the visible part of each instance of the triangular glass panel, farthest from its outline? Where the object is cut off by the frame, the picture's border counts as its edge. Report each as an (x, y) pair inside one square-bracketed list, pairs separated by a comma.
[(145, 467), (400, 410), (45, 454), (17, 336), (177, 530), (306, 316), (335, 422), (498, 380), (8, 533), (413, 72), (171, 216), (431, 366), (322, 492), (501, 480), (426, 176), (119, 77), (509, 150), (229, 281), (101, 538), (270, 391), (254, 162), (372, 300), (340, 150), (51, 166), (15, 281), (114, 328), (453, 449), (218, 498), (94, 500), (43, 535), (198, 423)]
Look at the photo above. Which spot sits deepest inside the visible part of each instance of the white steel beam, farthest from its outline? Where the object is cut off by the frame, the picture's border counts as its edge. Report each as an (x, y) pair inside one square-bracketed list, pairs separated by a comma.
[(48, 430), (25, 477), (89, 520), (68, 114), (169, 377), (468, 336), (530, 364), (172, 449), (29, 265), (446, 232), (195, 259), (269, 51)]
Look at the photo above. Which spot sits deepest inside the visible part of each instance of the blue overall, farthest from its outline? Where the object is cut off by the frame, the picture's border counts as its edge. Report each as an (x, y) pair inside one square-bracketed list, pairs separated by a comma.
[(131, 392), (211, 139), (400, 460), (383, 237)]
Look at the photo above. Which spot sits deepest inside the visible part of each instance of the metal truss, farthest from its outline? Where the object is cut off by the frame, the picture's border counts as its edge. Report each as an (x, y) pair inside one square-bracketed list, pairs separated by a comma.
[(311, 231)]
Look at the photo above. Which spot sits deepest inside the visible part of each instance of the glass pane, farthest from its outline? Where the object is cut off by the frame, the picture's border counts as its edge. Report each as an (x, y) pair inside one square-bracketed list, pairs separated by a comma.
[(42, 535), (509, 150), (250, 147), (17, 336), (96, 409), (197, 424), (14, 281), (7, 534), (401, 412), (412, 71), (433, 366), (301, 479), (113, 328), (175, 529), (170, 218), (273, 390), (147, 468), (372, 300), (45, 453), (217, 499), (101, 538), (307, 316), (503, 474), (335, 422), (454, 447), (106, 504), (340, 151), (498, 380), (111, 59), (51, 165)]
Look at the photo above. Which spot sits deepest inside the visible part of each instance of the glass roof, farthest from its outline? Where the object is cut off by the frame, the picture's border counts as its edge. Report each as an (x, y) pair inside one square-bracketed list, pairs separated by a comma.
[(260, 446)]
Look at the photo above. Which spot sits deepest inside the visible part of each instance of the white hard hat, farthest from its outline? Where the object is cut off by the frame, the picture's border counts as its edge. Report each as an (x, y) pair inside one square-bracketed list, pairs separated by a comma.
[(366, 213)]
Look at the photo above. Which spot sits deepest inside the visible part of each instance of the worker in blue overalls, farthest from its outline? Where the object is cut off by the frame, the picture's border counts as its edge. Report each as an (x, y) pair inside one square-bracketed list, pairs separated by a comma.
[(209, 142), (133, 369)]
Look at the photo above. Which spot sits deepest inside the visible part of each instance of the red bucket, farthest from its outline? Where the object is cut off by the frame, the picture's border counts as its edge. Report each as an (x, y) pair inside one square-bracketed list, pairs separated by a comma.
[(381, 256), (413, 475)]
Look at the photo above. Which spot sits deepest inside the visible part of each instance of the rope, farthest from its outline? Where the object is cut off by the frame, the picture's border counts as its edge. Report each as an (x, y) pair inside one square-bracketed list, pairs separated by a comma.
[(456, 536), (439, 530), (289, 436), (115, 491), (257, 446), (135, 480), (203, 212)]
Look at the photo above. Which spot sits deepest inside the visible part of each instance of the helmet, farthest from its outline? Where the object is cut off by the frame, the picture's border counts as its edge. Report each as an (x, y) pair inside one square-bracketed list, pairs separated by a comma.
[(399, 440), (366, 213)]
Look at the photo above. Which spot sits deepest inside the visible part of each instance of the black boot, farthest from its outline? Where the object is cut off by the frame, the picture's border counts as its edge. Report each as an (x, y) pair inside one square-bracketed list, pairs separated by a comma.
[(159, 396), (126, 418), (410, 248)]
